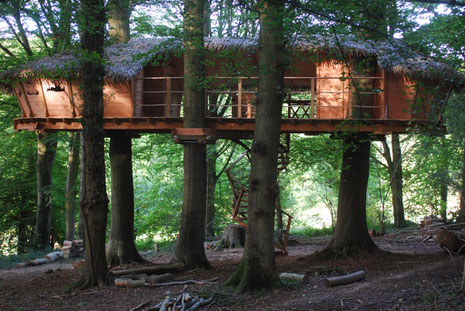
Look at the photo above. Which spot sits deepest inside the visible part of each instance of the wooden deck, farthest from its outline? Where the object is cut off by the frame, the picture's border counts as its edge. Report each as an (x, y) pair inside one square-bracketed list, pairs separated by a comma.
[(323, 104)]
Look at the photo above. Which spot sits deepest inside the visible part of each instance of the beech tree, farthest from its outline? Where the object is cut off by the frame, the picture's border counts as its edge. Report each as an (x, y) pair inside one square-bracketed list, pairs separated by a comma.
[(94, 203), (257, 270), (189, 246), (73, 166), (121, 247)]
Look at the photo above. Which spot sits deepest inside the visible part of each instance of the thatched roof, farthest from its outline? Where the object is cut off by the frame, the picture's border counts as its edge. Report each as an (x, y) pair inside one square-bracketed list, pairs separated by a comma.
[(124, 61)]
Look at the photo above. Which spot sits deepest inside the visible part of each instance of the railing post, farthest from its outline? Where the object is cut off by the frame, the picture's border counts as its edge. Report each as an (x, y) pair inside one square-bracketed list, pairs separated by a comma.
[(312, 99), (384, 97), (239, 99), (168, 97)]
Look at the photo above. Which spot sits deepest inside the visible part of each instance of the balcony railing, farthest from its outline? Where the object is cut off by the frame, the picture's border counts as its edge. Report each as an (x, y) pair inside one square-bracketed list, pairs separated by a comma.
[(235, 97)]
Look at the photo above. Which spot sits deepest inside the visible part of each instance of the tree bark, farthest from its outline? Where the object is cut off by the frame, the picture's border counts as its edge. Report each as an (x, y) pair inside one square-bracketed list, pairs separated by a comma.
[(73, 165), (119, 12), (121, 248), (351, 234), (46, 149), (461, 213), (81, 225), (189, 246), (94, 203), (211, 186), (257, 270), (395, 173)]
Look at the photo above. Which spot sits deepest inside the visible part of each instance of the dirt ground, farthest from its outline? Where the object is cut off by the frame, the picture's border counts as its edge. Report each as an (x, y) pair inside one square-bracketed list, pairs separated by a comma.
[(412, 276)]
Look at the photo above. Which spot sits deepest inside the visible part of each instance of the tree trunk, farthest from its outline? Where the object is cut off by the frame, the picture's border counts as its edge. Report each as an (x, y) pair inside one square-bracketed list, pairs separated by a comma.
[(211, 185), (351, 235), (396, 182), (121, 248), (119, 12), (46, 149), (189, 246), (81, 225), (94, 203), (257, 270), (73, 165), (443, 206), (461, 213)]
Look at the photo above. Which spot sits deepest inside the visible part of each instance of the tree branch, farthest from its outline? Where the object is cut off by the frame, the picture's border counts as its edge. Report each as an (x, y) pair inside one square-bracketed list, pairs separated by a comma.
[(448, 2)]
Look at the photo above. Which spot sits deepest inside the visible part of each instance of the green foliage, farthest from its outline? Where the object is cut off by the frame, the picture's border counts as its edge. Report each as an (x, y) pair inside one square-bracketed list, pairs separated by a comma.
[(309, 232), (11, 261)]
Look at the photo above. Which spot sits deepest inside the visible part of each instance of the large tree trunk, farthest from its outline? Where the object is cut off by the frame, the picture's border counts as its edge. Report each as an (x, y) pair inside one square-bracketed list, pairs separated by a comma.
[(211, 185), (46, 149), (81, 225), (73, 165), (94, 203), (351, 234), (121, 247), (189, 246), (119, 12), (461, 213), (395, 173), (257, 270)]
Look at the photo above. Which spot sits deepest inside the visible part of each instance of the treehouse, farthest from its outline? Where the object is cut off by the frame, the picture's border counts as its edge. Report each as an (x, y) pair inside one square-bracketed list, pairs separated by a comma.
[(325, 91)]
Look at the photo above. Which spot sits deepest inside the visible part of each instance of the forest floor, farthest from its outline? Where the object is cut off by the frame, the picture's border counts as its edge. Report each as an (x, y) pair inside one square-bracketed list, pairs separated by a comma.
[(412, 276)]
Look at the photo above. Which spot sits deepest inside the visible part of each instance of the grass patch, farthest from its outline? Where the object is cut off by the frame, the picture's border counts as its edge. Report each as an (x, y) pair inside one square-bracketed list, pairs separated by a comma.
[(310, 232)]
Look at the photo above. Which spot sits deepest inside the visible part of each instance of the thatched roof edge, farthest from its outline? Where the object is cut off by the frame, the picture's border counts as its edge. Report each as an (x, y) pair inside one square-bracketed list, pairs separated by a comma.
[(124, 61)]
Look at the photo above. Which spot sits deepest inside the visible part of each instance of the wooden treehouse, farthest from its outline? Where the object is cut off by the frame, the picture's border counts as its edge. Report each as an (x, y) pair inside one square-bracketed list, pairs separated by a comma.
[(144, 89), (325, 92)]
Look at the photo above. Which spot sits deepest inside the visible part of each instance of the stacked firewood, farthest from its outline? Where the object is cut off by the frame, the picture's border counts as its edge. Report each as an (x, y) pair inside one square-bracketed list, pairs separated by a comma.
[(429, 226), (449, 237), (73, 249), (184, 301)]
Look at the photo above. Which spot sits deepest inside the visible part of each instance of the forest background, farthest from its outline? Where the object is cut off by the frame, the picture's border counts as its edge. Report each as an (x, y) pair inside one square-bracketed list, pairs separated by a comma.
[(433, 166)]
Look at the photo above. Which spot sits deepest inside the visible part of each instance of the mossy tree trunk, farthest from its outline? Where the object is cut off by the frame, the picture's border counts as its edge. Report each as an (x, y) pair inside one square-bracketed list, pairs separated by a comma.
[(189, 246), (73, 166), (46, 149), (94, 203), (257, 269)]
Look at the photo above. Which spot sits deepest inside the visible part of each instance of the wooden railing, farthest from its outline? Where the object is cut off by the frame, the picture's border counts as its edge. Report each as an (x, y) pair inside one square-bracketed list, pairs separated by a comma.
[(234, 97)]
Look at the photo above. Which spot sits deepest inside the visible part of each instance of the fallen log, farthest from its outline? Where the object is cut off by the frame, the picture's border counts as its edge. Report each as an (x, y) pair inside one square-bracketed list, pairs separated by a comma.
[(345, 279), (122, 282), (54, 256), (203, 282), (159, 278), (163, 268)]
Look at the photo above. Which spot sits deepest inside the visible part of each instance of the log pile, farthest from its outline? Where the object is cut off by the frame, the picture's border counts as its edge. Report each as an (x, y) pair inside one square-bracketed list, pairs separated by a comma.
[(429, 226), (73, 249), (183, 301)]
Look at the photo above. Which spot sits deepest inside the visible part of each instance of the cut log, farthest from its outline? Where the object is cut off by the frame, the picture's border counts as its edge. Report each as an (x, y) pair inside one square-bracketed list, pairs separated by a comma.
[(166, 303), (345, 279), (163, 268), (291, 277), (159, 278), (122, 282), (449, 240), (233, 237), (38, 261), (201, 302), (54, 256)]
